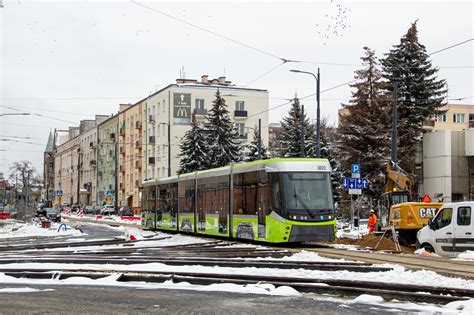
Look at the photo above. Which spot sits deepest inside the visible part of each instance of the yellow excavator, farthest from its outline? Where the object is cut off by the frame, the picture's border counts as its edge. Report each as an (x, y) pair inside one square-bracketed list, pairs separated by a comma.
[(400, 206)]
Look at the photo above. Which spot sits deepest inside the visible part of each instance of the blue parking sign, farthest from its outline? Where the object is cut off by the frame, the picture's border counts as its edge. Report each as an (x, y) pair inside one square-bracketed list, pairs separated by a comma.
[(355, 168)]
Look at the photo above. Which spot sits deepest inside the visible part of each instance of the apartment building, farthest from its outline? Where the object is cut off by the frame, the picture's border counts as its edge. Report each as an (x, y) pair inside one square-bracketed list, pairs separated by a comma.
[(106, 188), (456, 117), (88, 160), (66, 162), (131, 145), (167, 116)]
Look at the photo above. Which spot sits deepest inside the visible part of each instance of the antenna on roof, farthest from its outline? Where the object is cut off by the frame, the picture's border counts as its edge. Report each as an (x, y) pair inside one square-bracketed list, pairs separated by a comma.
[(182, 74)]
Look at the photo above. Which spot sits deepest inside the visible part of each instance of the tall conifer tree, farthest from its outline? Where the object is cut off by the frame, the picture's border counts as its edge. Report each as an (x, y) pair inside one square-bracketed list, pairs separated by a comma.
[(251, 149), (329, 151), (194, 149), (224, 146), (364, 131), (420, 93), (292, 132)]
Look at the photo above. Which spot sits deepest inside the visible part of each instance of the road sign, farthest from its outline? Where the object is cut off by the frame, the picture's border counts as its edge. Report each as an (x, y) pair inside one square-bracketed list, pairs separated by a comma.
[(109, 199), (59, 198), (355, 169), (59, 192), (355, 183), (109, 193), (355, 191)]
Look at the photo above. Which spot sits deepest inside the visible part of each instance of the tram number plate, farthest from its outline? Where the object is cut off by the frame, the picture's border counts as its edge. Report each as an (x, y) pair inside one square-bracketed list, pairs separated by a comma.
[(427, 212), (321, 167)]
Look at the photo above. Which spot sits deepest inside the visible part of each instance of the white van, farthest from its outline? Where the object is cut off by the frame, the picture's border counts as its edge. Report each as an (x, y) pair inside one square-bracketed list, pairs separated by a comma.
[(450, 232)]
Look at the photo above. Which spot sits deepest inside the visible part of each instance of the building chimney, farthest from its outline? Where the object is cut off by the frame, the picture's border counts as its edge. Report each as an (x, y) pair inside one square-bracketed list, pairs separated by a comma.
[(204, 79), (222, 80)]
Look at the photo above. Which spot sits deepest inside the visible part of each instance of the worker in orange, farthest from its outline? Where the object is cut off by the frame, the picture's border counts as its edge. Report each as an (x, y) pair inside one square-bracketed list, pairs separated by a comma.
[(372, 221)]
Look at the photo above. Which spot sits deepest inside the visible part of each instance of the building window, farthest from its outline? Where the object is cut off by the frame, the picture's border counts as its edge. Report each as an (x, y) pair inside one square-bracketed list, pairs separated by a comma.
[(442, 118), (240, 129), (240, 105), (458, 118), (199, 103), (164, 106), (158, 108)]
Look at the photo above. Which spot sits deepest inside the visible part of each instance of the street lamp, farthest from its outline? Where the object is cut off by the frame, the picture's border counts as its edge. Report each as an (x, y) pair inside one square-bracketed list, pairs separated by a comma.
[(318, 79), (15, 114)]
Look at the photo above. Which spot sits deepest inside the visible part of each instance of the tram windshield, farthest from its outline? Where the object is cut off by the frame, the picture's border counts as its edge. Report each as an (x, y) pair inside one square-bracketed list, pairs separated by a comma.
[(307, 191)]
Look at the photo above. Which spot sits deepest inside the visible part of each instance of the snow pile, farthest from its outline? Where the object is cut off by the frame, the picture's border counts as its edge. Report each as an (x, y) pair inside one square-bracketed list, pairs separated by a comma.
[(25, 230), (467, 255), (308, 256), (22, 290), (423, 252), (352, 233)]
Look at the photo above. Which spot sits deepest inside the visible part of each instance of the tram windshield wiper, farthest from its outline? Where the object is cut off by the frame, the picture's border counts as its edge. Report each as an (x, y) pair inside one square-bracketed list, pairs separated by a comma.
[(305, 206)]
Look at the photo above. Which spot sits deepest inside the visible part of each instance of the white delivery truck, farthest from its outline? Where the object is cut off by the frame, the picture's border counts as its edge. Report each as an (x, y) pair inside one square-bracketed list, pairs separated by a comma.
[(450, 232)]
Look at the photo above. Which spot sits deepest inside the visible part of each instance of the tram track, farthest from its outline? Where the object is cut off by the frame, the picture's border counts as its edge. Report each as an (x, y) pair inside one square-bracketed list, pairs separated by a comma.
[(346, 288)]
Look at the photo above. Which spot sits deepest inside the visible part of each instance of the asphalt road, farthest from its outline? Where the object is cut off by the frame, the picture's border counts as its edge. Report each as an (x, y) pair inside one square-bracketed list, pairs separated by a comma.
[(116, 300)]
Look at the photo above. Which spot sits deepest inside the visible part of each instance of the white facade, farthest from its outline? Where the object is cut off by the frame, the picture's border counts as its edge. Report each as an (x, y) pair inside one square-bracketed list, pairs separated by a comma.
[(245, 107), (448, 164)]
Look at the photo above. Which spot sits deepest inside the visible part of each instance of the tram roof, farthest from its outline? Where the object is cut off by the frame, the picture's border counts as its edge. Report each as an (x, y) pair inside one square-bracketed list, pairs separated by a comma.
[(237, 168)]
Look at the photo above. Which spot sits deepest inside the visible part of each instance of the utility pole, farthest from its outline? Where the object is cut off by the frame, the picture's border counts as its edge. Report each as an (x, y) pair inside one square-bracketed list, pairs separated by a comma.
[(394, 125), (259, 156), (116, 175), (318, 121), (302, 133), (78, 173)]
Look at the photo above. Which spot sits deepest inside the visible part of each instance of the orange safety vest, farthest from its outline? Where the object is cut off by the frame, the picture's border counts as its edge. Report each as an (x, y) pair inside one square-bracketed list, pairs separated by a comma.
[(372, 220)]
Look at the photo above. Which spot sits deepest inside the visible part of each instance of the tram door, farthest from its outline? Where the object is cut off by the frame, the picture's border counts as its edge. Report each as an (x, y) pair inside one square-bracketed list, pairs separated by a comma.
[(263, 195)]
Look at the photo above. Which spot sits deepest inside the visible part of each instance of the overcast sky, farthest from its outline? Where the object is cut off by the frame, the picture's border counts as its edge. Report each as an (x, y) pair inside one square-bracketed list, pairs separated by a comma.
[(69, 60)]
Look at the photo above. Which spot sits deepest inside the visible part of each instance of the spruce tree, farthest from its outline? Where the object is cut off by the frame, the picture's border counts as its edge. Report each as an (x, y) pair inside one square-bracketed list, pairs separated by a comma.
[(193, 147), (251, 149), (364, 131), (292, 131), (420, 93), (224, 146)]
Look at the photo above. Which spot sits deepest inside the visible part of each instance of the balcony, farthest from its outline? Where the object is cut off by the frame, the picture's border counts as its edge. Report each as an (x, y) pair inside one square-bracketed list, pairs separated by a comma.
[(122, 168), (122, 149), (138, 164), (121, 186), (240, 114), (200, 111), (138, 124), (138, 144), (151, 119), (122, 131), (151, 160), (93, 163), (137, 184), (242, 136), (151, 140)]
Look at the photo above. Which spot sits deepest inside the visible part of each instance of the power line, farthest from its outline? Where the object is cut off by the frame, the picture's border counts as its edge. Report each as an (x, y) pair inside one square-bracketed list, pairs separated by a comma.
[(265, 73), (452, 46), (212, 32)]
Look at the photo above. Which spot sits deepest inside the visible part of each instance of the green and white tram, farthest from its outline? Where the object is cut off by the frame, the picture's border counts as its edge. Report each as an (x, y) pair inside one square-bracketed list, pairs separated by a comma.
[(277, 201)]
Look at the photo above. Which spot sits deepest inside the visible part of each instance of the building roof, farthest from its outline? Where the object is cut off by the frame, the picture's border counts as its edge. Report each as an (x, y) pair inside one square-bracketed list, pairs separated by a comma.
[(50, 143)]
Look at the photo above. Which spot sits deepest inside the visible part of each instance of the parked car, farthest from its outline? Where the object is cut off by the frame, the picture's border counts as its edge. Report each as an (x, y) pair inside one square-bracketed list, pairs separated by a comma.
[(74, 208), (451, 231), (125, 211), (89, 209), (53, 214), (107, 210)]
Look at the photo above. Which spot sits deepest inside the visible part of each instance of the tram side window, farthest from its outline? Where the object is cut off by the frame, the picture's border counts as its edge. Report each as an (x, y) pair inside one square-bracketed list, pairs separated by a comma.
[(150, 198), (263, 193), (186, 196), (444, 218), (276, 190)]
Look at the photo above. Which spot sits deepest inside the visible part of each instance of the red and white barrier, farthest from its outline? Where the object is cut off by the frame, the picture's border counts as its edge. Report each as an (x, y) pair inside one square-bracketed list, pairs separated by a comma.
[(80, 212), (67, 210)]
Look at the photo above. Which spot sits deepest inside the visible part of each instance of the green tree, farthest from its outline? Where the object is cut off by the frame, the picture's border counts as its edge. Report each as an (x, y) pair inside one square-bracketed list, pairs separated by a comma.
[(193, 149), (251, 149), (224, 146), (364, 131), (290, 136), (420, 93)]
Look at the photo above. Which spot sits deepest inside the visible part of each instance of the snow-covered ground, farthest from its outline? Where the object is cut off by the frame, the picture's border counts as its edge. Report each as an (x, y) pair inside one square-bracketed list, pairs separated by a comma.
[(397, 274), (18, 230)]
